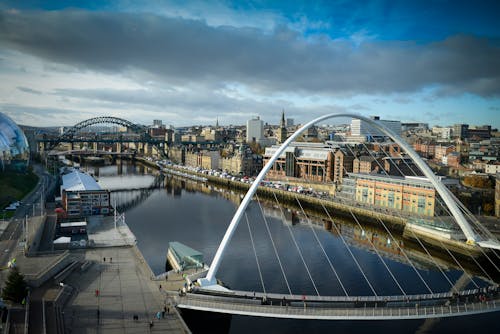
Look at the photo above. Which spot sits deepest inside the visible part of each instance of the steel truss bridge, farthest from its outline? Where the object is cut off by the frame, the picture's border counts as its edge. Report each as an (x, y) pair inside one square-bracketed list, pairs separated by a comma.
[(205, 294), (137, 134)]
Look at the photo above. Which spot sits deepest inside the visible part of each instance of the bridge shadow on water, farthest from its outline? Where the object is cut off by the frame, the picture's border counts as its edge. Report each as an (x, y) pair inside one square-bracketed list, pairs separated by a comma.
[(207, 322)]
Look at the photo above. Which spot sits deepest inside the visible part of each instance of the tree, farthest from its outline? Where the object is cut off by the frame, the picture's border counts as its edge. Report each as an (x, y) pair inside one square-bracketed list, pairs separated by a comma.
[(15, 287), (488, 208), (477, 182), (256, 148)]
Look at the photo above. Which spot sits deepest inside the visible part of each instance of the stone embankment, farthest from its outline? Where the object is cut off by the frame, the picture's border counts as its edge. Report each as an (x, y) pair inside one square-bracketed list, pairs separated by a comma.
[(316, 206)]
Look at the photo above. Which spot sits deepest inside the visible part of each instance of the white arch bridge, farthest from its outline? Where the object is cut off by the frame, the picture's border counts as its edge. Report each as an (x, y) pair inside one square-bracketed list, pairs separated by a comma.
[(462, 298)]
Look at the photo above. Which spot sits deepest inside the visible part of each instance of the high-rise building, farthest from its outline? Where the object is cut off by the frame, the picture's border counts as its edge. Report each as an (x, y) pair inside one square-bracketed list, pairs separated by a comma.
[(479, 132), (460, 131), (255, 130), (364, 130), (157, 123)]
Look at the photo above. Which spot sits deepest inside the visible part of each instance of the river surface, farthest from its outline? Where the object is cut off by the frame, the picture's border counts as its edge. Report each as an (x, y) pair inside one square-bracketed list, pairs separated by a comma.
[(198, 215)]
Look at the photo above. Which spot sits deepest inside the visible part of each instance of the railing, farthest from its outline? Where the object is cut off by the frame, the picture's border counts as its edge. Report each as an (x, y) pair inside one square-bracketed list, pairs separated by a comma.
[(253, 307), (418, 298)]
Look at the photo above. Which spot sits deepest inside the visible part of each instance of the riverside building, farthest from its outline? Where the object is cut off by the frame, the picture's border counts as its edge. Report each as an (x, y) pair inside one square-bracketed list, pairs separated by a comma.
[(409, 194), (82, 197), (310, 161)]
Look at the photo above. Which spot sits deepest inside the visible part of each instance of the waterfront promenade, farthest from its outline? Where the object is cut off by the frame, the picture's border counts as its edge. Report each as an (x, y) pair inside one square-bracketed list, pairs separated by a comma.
[(125, 289), (64, 283)]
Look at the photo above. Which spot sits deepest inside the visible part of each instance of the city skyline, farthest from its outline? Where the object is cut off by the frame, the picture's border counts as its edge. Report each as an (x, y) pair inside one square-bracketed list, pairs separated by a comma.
[(195, 62)]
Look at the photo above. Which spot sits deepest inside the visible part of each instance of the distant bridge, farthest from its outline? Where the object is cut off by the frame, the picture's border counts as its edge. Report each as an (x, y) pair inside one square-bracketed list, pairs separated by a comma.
[(74, 135), (91, 153)]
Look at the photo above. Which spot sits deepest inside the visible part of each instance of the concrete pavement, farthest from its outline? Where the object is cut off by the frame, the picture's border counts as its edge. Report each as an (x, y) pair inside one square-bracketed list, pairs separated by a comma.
[(125, 289)]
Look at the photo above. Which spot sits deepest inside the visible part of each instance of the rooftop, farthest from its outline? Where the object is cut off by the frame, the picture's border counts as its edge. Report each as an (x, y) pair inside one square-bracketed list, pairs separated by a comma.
[(78, 181), (183, 250), (411, 180)]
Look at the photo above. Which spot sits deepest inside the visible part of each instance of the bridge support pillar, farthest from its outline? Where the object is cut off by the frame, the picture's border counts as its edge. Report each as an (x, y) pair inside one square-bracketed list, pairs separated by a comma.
[(119, 147), (72, 146), (94, 146), (120, 167)]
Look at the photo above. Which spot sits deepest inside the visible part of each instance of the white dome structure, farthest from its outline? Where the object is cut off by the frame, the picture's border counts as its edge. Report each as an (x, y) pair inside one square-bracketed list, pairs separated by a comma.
[(14, 148)]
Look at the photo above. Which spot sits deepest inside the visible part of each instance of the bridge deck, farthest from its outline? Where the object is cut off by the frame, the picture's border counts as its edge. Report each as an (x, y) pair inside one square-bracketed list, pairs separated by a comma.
[(341, 311)]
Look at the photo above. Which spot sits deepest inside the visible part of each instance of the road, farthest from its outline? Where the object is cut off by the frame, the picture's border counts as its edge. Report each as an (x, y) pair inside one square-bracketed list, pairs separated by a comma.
[(13, 233)]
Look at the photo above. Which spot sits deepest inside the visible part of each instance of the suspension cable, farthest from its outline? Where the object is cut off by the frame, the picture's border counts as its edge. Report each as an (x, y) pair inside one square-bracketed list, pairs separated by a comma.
[(316, 236), (322, 248), (349, 250), (406, 256), (274, 246), (414, 234), (442, 244), (464, 210), (298, 248), (378, 254), (255, 253), (320, 245)]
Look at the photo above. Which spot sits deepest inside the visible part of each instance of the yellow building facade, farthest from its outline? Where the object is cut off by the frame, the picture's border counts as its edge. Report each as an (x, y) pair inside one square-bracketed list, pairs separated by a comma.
[(406, 194)]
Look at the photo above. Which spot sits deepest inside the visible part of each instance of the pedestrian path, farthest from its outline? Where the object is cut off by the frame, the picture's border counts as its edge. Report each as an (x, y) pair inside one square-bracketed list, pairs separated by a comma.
[(115, 294)]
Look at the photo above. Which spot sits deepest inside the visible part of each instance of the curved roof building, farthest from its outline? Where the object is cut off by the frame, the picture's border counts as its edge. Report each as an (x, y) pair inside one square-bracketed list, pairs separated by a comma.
[(14, 149)]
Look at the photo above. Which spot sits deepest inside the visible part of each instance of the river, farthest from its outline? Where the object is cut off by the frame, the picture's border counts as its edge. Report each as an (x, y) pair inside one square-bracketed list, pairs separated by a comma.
[(198, 215)]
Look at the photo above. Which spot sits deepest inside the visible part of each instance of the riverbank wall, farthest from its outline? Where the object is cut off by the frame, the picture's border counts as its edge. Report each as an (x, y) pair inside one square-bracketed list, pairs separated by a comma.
[(312, 204), (326, 207)]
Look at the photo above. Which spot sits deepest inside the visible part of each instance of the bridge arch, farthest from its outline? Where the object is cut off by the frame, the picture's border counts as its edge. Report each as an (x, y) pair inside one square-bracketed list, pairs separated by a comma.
[(441, 189), (101, 120), (136, 128)]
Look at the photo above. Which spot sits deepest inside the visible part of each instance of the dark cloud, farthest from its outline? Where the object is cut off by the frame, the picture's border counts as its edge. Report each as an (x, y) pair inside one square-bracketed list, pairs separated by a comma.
[(204, 104), (38, 115), (29, 90), (180, 50)]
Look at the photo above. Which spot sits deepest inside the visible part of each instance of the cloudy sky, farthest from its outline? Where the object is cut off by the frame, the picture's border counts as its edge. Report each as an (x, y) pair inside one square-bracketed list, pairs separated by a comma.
[(189, 62)]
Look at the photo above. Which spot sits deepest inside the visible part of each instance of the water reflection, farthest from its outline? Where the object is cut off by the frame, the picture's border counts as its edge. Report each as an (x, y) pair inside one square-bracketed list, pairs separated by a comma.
[(168, 208)]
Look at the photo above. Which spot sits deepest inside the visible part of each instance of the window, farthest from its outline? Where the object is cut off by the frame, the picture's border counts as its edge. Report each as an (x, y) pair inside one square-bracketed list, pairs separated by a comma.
[(390, 199), (421, 205), (364, 195)]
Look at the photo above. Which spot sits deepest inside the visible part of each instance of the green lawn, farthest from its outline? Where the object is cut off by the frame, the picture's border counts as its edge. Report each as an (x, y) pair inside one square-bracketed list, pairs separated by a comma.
[(14, 186)]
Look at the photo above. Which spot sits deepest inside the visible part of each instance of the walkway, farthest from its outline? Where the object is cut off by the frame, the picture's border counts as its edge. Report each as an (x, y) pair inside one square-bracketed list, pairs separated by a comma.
[(300, 310), (125, 289)]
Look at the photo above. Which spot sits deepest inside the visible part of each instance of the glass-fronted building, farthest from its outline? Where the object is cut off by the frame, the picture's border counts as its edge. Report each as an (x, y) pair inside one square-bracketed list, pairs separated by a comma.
[(14, 148)]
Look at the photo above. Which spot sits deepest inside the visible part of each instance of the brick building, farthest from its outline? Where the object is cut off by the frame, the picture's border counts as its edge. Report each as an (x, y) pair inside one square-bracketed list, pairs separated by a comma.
[(366, 164), (409, 194), (310, 161)]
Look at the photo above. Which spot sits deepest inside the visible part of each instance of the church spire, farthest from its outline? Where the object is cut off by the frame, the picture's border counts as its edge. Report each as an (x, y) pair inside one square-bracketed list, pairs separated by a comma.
[(282, 133)]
